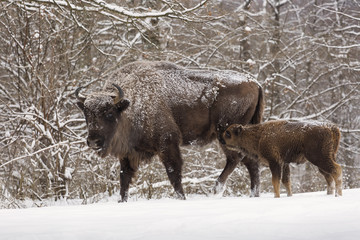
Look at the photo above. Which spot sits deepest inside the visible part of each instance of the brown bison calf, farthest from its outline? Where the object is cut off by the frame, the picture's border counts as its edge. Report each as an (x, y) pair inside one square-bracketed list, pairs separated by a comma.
[(278, 143)]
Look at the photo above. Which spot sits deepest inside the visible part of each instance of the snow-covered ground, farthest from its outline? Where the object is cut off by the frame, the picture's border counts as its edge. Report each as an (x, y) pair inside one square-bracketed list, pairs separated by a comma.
[(303, 216)]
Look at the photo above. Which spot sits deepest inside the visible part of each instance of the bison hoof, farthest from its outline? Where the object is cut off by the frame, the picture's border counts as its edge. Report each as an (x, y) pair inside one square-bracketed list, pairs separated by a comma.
[(330, 192), (123, 198), (338, 193), (254, 195), (255, 192), (218, 189), (180, 196)]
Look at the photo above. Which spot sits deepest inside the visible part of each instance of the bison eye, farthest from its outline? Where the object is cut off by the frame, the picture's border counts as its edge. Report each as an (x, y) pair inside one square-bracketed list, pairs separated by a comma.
[(109, 116), (227, 134)]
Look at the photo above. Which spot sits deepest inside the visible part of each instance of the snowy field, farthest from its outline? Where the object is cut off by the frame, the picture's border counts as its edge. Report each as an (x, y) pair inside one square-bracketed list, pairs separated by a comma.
[(303, 216)]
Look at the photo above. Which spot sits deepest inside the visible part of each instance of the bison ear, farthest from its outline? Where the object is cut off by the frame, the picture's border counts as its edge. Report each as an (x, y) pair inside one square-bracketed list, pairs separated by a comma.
[(238, 130), (122, 105)]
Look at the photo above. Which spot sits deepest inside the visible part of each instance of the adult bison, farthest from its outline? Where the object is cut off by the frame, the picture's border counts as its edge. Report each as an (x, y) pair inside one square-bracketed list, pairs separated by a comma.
[(149, 108)]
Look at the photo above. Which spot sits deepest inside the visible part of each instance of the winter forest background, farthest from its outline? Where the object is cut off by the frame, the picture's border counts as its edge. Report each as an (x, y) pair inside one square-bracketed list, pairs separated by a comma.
[(306, 55)]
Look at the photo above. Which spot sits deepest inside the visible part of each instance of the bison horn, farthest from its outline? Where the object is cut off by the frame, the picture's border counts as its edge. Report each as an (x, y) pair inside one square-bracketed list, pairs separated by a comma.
[(78, 95), (120, 93)]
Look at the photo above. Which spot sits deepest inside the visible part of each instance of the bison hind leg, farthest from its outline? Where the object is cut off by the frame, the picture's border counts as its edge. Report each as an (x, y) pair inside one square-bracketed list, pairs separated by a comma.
[(219, 188), (338, 180), (232, 160), (329, 180), (253, 167), (334, 173)]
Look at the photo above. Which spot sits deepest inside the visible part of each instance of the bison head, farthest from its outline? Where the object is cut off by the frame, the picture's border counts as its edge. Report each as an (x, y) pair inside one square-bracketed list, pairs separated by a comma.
[(102, 112), (232, 136)]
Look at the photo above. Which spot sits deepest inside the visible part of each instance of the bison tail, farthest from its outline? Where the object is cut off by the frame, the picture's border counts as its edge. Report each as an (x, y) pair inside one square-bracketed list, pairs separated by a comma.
[(258, 114), (336, 137)]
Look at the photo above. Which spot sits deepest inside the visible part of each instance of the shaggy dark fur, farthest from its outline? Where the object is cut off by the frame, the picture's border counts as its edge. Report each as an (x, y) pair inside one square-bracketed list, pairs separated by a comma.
[(279, 143), (149, 108)]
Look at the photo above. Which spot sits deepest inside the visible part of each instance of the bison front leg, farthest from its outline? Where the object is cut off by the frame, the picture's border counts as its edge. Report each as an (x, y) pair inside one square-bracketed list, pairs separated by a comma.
[(126, 175), (171, 158), (275, 169)]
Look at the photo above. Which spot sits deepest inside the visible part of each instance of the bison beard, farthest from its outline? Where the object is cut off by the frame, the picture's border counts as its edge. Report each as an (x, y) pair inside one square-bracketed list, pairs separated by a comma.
[(151, 108)]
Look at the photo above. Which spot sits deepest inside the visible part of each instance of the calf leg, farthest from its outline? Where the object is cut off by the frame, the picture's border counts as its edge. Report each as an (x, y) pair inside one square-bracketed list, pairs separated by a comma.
[(329, 166), (275, 169), (337, 175), (286, 179), (126, 175), (329, 180), (171, 158)]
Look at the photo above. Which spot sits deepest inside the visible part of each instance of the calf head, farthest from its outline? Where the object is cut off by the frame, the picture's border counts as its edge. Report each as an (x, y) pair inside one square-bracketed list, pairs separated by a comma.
[(231, 136), (102, 112)]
